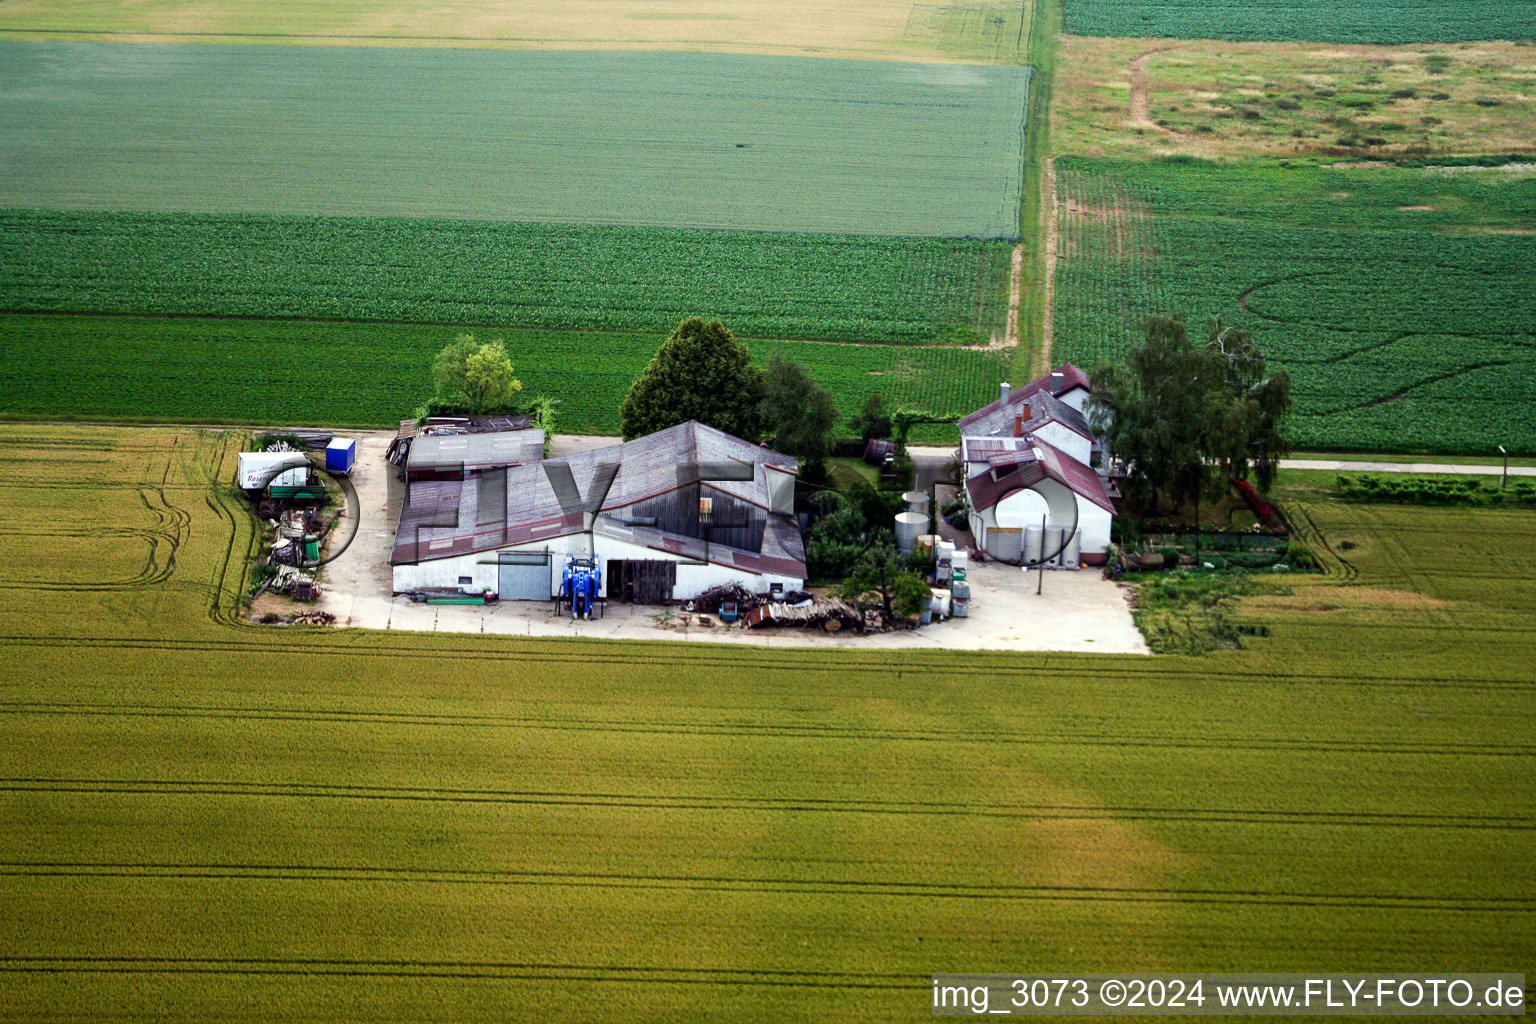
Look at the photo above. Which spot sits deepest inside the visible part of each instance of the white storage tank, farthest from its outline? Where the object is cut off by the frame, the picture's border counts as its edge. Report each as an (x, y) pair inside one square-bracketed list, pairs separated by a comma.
[(908, 526), (1054, 536), (1073, 556), (939, 604), (916, 501), (1033, 539)]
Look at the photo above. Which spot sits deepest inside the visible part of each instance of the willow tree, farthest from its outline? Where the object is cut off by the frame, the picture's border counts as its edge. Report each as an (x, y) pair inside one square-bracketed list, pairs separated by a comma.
[(1176, 411)]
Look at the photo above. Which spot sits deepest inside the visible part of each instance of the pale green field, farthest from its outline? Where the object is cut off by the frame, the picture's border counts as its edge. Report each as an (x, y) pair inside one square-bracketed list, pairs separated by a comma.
[(203, 820), (680, 140)]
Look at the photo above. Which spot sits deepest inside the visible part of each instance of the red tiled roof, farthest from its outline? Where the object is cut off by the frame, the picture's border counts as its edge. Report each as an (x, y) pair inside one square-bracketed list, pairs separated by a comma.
[(1071, 377), (1002, 478)]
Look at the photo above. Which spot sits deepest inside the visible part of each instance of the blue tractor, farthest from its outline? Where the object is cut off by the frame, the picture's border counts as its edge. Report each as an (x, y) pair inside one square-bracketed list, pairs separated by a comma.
[(581, 585)]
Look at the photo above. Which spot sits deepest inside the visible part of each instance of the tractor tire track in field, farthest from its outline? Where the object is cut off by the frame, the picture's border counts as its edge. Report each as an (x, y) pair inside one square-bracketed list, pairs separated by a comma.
[(467, 969), (783, 730), (1406, 388), (780, 886), (611, 653), (776, 805), (163, 541), (1337, 566)]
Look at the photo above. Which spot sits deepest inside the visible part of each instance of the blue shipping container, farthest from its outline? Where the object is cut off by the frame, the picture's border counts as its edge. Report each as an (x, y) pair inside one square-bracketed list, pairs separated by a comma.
[(340, 455)]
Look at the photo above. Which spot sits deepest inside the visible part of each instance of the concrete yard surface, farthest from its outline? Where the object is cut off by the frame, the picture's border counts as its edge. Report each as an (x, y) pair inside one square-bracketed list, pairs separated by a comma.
[(1077, 611)]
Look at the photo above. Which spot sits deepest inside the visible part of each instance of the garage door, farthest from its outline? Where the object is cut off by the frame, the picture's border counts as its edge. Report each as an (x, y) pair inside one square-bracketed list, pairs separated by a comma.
[(523, 576)]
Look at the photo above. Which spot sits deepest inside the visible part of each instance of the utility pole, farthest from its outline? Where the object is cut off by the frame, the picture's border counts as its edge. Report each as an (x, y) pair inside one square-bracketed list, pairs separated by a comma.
[(1040, 579), (1504, 480)]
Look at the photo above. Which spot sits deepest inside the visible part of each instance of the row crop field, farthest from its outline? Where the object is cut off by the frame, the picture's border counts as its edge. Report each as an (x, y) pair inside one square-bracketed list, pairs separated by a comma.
[(665, 140), (530, 275), (204, 819), (1342, 21), (158, 369), (1396, 339)]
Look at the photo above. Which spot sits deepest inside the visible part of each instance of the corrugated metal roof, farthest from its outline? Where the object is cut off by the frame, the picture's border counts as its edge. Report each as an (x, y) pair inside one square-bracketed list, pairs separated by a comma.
[(441, 518), (997, 421), (474, 451)]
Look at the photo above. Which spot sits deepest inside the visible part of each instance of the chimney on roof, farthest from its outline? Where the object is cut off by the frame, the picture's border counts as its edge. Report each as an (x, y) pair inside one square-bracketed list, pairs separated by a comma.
[(1002, 399), (1057, 380), (1019, 421)]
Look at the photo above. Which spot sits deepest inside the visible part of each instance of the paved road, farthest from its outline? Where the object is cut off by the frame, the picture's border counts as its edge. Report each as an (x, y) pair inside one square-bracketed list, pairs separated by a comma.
[(940, 456), (1404, 467)]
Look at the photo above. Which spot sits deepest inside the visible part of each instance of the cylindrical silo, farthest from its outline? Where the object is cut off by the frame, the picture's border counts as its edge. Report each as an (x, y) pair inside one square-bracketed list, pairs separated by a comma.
[(908, 526)]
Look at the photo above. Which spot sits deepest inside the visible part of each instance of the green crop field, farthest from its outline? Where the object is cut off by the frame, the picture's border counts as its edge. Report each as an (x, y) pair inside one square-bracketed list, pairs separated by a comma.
[(373, 374), (1344, 21), (1394, 338), (529, 275), (666, 140), (203, 819)]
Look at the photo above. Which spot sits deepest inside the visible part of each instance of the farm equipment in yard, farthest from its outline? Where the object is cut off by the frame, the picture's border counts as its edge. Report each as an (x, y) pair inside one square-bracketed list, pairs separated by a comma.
[(580, 585)]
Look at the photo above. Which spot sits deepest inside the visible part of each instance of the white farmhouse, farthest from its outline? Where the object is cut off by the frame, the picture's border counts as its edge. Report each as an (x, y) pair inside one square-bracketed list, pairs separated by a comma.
[(1030, 474)]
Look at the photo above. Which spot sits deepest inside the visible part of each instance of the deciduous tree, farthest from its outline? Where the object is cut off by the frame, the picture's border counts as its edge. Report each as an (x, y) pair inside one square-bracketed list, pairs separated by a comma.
[(700, 373), (1174, 410), (796, 411), (478, 375)]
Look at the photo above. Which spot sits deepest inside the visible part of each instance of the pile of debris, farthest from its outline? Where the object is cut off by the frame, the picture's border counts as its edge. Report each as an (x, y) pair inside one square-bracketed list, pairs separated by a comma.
[(831, 614), (314, 618), (294, 581), (711, 600)]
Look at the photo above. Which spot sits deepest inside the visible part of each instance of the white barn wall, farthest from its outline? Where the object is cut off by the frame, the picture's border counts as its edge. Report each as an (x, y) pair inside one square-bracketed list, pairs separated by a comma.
[(693, 578)]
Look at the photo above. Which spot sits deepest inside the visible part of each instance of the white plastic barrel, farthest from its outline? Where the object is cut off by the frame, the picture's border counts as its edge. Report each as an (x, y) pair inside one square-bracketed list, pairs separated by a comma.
[(1072, 557), (939, 604)]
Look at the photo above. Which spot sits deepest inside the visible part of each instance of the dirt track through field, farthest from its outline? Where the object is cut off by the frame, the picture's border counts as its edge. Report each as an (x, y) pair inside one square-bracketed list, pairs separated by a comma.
[(1139, 95), (1047, 330), (1015, 281)]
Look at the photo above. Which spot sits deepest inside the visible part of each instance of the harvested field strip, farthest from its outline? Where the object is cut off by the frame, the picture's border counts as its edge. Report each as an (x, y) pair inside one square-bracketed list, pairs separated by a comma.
[(870, 29), (833, 287), (663, 140)]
